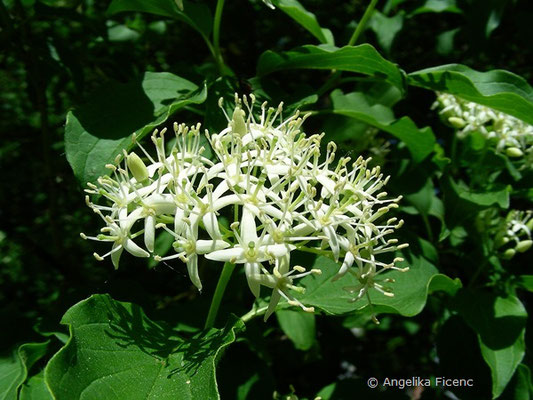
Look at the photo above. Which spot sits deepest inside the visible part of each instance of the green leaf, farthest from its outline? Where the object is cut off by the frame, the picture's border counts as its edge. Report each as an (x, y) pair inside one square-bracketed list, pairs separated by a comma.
[(306, 19), (116, 352), (437, 6), (14, 369), (386, 28), (363, 59), (498, 89), (410, 289), (420, 142), (423, 198), (500, 326), (479, 200), (526, 282), (299, 326), (523, 389), (445, 41), (99, 130), (197, 15), (35, 389)]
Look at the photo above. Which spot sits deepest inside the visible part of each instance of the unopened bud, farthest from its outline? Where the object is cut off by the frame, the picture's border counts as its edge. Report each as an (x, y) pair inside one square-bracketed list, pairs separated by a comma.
[(514, 152), (137, 167), (238, 125), (523, 245), (457, 122), (508, 254)]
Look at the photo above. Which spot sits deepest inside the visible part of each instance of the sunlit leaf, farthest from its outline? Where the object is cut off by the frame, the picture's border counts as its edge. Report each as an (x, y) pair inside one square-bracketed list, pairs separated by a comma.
[(116, 352), (420, 142), (35, 389), (410, 289), (299, 326), (14, 368), (363, 59), (498, 89)]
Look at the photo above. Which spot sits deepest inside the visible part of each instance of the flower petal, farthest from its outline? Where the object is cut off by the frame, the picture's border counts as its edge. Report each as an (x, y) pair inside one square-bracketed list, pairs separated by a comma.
[(251, 270), (192, 267), (149, 232), (235, 253), (132, 248), (248, 227), (274, 300), (208, 246), (211, 225), (115, 254)]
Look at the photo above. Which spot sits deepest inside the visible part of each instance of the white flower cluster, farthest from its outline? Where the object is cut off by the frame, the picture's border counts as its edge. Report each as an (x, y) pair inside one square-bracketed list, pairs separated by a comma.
[(512, 136), (273, 182), (515, 233)]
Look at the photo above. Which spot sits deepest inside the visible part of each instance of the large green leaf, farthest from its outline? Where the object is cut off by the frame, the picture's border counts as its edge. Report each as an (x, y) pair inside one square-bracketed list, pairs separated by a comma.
[(420, 142), (498, 89), (35, 389), (500, 326), (410, 289), (116, 352), (363, 59), (99, 130), (14, 368), (197, 15), (299, 326), (306, 19)]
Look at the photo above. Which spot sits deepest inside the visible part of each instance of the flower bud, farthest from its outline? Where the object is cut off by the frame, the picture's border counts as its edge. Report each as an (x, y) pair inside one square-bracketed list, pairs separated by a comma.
[(514, 152), (508, 254), (238, 125), (523, 245), (457, 122), (137, 167)]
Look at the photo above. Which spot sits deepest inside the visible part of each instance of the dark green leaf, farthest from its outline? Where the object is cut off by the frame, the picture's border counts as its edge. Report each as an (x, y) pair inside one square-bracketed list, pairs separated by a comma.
[(306, 19), (526, 282), (299, 326), (437, 6), (423, 198), (14, 369), (116, 352), (420, 142), (445, 41), (363, 59), (500, 325), (481, 199), (386, 28), (498, 89), (99, 130), (197, 15)]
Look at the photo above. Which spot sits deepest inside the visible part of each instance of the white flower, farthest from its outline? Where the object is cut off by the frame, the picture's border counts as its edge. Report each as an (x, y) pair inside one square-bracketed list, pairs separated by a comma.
[(281, 282), (514, 233), (267, 192), (251, 250), (511, 135)]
